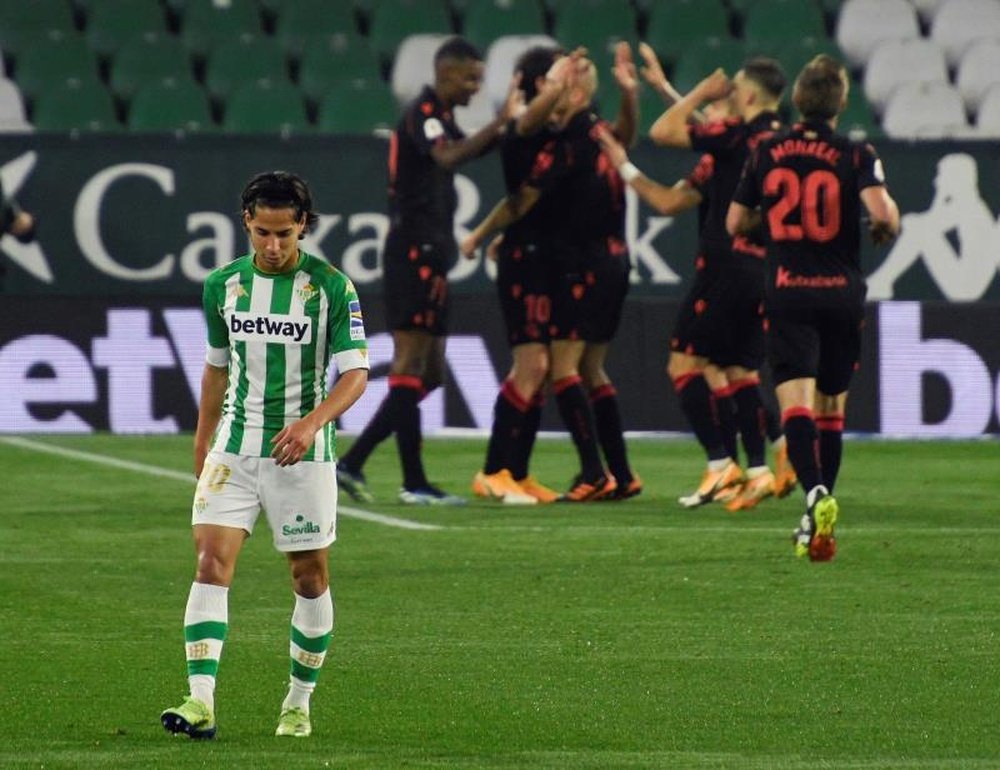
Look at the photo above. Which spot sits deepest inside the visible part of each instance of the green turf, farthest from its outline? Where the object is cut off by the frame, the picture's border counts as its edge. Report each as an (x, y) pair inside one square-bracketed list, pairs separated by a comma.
[(618, 635)]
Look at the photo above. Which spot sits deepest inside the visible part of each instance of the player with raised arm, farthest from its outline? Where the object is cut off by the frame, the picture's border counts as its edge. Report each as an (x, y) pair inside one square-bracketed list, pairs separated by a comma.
[(718, 345), (811, 186), (425, 149), (276, 318)]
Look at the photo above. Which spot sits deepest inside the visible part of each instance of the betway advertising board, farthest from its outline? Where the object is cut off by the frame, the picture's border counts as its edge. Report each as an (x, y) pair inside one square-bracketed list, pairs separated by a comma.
[(77, 365), (131, 216)]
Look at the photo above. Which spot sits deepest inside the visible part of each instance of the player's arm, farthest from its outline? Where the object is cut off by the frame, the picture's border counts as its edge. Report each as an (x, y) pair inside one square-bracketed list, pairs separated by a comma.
[(741, 219), (653, 73), (626, 125), (505, 213), (882, 212), (666, 200), (213, 392), (558, 79), (671, 128), (452, 153)]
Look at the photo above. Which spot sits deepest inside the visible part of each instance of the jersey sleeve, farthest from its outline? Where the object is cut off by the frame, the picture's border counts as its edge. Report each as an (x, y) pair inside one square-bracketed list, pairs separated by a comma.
[(551, 164), (869, 167), (217, 349), (747, 190), (348, 344), (427, 127), (701, 175), (716, 136)]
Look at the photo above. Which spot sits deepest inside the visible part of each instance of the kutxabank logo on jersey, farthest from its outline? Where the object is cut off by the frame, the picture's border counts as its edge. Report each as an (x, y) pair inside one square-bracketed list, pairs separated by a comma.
[(268, 327)]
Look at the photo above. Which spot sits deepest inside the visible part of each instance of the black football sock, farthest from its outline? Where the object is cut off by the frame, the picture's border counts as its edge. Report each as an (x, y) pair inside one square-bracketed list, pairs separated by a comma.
[(404, 397), (608, 419), (831, 447), (575, 412), (800, 433), (378, 429), (525, 442), (751, 419), (694, 395), (772, 423), (508, 424), (724, 411)]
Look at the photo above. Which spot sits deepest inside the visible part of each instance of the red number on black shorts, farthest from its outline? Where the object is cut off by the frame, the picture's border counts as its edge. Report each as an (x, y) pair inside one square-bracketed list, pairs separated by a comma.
[(538, 308)]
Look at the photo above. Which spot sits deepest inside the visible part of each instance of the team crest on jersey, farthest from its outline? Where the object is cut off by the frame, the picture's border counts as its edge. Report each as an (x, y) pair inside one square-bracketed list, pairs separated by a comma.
[(307, 292), (357, 320), (235, 292)]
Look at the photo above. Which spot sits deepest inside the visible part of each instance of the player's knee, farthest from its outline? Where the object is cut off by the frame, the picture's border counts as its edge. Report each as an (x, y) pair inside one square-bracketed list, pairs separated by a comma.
[(213, 568), (680, 365)]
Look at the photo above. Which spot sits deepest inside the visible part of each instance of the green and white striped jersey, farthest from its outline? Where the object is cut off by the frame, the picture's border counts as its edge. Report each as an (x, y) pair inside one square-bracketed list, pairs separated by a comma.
[(277, 334)]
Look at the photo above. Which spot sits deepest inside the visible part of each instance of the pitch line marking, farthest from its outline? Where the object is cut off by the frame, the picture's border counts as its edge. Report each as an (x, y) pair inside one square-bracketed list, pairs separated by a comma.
[(167, 473)]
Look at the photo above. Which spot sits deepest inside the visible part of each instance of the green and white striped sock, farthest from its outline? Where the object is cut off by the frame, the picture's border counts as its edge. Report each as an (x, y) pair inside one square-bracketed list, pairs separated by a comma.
[(206, 620), (312, 627)]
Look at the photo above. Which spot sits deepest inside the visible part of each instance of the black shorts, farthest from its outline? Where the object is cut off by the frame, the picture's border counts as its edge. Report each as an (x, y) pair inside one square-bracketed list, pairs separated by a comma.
[(415, 281), (815, 340), (587, 303), (721, 316), (523, 285)]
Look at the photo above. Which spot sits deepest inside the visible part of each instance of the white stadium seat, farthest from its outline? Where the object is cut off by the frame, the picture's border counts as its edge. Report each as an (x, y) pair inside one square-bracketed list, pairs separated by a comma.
[(988, 117), (960, 23), (928, 8), (902, 61), (978, 70), (413, 67), (924, 111), (863, 24)]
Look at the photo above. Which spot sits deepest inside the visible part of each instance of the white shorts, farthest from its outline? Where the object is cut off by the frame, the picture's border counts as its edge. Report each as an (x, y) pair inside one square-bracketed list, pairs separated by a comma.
[(300, 501)]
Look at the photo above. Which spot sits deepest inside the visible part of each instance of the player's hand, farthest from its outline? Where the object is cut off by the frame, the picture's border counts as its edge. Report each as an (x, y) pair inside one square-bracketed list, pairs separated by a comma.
[(293, 441), (624, 68), (652, 72), (565, 69), (468, 246), (493, 250), (612, 147), (881, 233), (715, 86)]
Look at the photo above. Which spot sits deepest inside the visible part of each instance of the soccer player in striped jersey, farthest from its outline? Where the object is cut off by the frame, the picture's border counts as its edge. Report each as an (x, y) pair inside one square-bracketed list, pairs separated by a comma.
[(265, 438)]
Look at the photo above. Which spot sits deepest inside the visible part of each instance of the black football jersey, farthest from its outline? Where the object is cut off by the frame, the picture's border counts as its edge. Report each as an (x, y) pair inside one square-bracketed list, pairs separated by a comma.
[(422, 197), (517, 157)]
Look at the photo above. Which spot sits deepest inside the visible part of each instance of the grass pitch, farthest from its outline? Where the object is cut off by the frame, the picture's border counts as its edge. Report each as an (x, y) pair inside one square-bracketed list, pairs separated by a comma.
[(616, 635)]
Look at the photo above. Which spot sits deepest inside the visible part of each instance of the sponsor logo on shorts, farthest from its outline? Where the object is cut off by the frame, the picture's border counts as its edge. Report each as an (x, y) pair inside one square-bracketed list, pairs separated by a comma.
[(266, 327), (301, 527)]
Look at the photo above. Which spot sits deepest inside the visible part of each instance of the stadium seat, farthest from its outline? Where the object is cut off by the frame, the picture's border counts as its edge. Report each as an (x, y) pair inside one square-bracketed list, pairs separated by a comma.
[(266, 106), (857, 120), (927, 8), (12, 114), (207, 23), (335, 58), (347, 110), (783, 20), (960, 23), (924, 111), (988, 116), (902, 61), (413, 66), (111, 23), (26, 23), (864, 24), (674, 26), (75, 106), (486, 20), (241, 61), (699, 61), (168, 105), (501, 57), (597, 25), (146, 59), (978, 71), (793, 54), (300, 24), (479, 112), (46, 66), (394, 20)]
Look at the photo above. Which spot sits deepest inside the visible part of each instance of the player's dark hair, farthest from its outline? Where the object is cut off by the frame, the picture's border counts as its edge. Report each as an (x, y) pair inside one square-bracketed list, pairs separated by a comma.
[(280, 190), (766, 73), (533, 64), (457, 49), (819, 88)]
